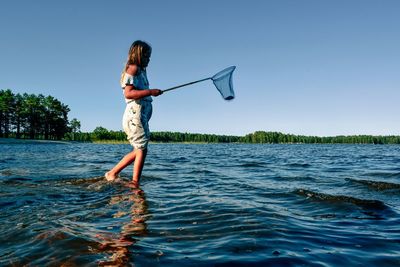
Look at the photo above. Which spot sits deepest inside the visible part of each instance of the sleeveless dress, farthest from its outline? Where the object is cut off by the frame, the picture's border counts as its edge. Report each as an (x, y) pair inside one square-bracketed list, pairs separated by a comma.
[(135, 121)]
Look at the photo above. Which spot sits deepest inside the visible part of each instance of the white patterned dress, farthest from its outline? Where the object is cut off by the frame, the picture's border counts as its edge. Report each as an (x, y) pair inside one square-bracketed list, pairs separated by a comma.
[(137, 113)]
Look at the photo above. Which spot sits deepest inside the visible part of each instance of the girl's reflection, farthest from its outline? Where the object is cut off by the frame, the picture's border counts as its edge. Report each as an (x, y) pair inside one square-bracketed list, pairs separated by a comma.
[(135, 227)]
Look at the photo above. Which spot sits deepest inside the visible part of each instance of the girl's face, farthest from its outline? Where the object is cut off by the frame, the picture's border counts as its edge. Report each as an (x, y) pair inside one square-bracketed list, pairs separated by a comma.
[(146, 58)]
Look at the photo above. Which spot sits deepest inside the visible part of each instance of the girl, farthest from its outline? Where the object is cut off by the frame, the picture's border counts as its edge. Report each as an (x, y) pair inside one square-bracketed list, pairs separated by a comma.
[(138, 110)]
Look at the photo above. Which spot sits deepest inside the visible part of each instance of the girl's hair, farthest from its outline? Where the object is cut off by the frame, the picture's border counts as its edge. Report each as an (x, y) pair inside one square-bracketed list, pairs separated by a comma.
[(138, 50)]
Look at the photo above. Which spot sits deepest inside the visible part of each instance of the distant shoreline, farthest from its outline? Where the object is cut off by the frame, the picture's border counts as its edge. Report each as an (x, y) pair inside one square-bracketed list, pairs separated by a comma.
[(103, 135), (13, 140)]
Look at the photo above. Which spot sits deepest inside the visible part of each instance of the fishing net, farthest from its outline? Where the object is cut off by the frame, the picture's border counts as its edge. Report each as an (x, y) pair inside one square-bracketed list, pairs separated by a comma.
[(223, 82)]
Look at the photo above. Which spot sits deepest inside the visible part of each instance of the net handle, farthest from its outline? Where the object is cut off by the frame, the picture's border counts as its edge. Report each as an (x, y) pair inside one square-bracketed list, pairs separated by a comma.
[(186, 84)]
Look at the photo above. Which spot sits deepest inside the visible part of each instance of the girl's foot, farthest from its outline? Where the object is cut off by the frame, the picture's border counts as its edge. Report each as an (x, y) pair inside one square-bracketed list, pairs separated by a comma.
[(110, 177), (132, 184)]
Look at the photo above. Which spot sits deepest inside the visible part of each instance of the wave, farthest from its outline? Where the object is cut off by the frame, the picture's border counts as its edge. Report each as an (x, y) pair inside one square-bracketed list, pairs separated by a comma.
[(179, 160), (7, 159), (252, 165), (384, 174), (207, 172), (364, 203), (4, 204), (79, 181), (377, 185), (17, 179), (298, 165), (14, 172)]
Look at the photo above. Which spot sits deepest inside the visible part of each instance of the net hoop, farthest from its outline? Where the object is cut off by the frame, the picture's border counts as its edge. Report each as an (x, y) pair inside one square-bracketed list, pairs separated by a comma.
[(225, 88), (221, 74)]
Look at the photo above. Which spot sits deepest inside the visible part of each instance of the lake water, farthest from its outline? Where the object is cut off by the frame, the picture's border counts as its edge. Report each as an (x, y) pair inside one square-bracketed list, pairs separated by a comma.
[(200, 205)]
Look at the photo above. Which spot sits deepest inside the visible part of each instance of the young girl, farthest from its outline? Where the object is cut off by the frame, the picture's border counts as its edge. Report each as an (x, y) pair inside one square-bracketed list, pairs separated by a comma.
[(138, 110)]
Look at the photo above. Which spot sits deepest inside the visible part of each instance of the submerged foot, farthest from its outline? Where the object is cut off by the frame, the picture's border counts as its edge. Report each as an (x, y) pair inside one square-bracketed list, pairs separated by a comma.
[(133, 185), (110, 177)]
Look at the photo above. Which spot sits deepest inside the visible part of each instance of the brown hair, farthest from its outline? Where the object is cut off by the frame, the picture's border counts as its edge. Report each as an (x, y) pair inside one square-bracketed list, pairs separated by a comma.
[(138, 52)]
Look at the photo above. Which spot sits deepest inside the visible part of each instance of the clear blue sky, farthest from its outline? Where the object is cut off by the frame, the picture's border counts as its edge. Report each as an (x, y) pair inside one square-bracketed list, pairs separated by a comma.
[(303, 67)]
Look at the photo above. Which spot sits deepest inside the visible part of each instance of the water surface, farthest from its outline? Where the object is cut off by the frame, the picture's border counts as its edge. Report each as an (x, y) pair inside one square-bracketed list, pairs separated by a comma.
[(200, 205)]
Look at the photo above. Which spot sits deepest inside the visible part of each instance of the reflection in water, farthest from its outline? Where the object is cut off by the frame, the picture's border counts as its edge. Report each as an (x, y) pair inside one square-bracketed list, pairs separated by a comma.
[(118, 246)]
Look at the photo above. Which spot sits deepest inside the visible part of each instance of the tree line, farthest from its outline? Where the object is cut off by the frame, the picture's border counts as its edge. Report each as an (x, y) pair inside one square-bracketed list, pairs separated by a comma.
[(281, 138), (45, 117), (102, 134), (34, 117), (258, 137)]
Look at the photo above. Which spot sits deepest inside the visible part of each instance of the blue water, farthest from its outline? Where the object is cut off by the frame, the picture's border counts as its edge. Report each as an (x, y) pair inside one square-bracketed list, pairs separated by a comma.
[(200, 205)]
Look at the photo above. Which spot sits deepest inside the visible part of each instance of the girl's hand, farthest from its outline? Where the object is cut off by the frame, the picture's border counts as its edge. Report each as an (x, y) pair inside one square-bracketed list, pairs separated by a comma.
[(155, 92)]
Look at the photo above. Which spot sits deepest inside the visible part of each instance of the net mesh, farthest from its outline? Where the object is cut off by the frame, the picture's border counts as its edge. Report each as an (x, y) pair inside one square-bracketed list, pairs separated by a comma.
[(223, 81)]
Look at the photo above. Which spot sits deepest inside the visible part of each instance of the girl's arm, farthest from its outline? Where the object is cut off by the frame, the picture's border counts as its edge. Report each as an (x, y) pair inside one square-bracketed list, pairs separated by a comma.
[(130, 92)]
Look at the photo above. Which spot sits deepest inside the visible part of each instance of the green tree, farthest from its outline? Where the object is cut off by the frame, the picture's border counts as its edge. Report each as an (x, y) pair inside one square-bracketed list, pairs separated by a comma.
[(6, 112), (32, 104), (32, 116), (101, 133), (75, 125), (19, 115)]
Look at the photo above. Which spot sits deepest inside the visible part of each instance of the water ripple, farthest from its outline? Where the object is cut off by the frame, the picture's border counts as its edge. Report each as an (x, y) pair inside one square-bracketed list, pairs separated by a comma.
[(200, 205)]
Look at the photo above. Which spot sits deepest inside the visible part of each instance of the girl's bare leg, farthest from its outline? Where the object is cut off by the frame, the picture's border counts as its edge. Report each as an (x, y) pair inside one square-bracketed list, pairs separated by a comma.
[(127, 160), (138, 166)]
